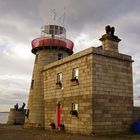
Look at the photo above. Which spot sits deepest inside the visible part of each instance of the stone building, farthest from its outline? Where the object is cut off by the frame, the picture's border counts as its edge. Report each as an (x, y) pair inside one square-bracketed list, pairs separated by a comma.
[(16, 116), (89, 92)]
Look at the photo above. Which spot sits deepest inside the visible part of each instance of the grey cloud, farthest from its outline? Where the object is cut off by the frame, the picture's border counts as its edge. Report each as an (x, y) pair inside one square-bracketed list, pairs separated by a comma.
[(17, 31), (11, 64), (81, 13), (27, 8), (14, 88), (20, 22)]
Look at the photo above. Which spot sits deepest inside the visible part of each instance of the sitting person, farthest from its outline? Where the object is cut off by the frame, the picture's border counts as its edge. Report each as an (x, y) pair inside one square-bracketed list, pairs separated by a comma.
[(23, 106), (16, 106)]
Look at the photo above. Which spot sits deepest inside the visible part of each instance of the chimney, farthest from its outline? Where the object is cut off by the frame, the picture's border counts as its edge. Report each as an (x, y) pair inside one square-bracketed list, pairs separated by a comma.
[(109, 40)]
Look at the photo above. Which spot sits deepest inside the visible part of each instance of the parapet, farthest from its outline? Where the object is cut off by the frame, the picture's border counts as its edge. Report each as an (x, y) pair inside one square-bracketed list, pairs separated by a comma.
[(16, 116)]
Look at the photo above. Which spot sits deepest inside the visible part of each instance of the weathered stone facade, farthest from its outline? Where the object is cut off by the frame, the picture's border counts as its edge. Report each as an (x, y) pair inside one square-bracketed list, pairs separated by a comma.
[(36, 95), (98, 99), (16, 116), (112, 92), (103, 92), (136, 113), (79, 92)]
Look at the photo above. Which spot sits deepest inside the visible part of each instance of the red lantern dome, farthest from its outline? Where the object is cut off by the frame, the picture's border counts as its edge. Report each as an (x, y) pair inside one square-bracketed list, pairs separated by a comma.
[(53, 36)]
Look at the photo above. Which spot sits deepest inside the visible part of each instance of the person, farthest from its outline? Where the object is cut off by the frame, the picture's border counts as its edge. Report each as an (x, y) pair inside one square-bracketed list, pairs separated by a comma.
[(23, 106), (107, 28), (110, 30), (16, 106)]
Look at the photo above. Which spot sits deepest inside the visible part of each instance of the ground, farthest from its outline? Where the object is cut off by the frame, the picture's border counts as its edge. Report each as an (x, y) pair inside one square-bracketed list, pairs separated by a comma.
[(8, 132)]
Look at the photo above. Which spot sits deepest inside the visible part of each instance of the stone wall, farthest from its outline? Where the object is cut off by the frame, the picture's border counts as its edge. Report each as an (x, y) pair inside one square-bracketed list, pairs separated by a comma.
[(36, 95), (112, 92), (136, 113), (104, 92), (79, 92), (16, 116)]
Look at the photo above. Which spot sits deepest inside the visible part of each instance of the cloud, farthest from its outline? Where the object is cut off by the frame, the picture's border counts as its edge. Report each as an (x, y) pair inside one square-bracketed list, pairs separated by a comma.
[(14, 89), (20, 22), (16, 58)]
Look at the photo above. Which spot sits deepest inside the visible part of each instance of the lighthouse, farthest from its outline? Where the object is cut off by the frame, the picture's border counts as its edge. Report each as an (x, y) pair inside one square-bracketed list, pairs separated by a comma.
[(50, 47)]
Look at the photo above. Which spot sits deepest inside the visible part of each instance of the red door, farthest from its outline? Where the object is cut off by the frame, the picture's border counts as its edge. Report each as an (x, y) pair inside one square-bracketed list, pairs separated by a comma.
[(58, 114)]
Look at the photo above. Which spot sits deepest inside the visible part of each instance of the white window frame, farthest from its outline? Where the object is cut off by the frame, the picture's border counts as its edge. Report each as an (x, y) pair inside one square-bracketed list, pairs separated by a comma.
[(60, 56), (36, 58), (59, 77), (75, 73), (74, 107)]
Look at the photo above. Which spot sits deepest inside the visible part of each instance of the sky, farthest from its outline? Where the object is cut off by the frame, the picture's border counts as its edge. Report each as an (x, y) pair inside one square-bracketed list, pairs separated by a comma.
[(20, 23)]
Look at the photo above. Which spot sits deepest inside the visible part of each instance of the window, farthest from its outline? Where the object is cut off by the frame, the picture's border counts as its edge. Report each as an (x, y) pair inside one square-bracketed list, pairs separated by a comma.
[(36, 58), (74, 107), (32, 84), (27, 113), (75, 73), (59, 78), (60, 56), (74, 110)]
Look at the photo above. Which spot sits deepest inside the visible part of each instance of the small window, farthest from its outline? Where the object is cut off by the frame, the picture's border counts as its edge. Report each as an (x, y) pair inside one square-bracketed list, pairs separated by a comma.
[(27, 113), (36, 58), (74, 107), (52, 27), (56, 27), (60, 56), (75, 73), (32, 84), (59, 78), (74, 110)]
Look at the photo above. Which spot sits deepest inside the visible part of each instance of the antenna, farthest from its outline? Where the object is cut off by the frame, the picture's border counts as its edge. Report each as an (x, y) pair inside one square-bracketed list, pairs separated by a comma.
[(64, 16), (60, 19), (53, 15)]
